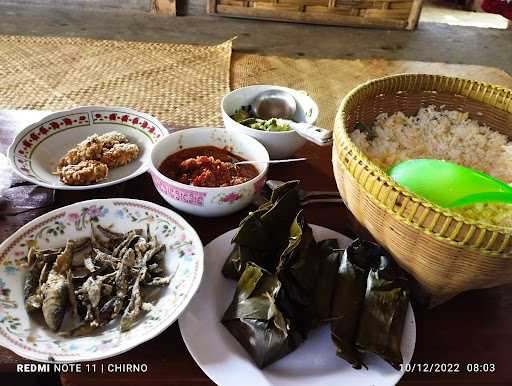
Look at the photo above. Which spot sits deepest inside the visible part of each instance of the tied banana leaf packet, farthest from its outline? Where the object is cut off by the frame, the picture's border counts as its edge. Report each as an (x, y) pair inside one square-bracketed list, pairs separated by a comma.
[(263, 234), (383, 315), (255, 319), (330, 259), (240, 256), (348, 298), (298, 272)]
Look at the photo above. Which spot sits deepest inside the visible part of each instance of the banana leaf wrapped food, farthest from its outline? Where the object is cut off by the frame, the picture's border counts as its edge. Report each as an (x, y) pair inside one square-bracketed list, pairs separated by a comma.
[(298, 270), (364, 307), (383, 316), (289, 280), (348, 298), (263, 234), (330, 258), (289, 284), (254, 317)]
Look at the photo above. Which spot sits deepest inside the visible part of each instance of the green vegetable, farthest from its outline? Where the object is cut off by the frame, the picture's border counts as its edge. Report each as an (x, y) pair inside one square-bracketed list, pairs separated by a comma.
[(245, 117), (242, 114), (370, 131), (269, 125)]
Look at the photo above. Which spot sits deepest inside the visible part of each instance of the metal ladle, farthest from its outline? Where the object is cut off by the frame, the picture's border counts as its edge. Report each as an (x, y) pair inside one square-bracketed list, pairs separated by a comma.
[(282, 105)]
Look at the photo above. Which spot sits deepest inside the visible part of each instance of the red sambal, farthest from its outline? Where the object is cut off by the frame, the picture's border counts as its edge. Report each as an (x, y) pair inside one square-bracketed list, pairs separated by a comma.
[(207, 166)]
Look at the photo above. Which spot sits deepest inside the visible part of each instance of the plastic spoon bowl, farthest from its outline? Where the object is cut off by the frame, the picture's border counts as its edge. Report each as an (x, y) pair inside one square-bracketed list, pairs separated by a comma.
[(449, 185)]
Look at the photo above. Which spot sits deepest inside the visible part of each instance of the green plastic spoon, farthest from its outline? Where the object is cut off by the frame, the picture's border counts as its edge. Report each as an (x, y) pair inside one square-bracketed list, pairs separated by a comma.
[(449, 185)]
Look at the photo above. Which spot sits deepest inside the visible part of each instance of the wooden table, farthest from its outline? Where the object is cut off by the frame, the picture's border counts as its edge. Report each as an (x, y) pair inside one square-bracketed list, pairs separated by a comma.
[(474, 328)]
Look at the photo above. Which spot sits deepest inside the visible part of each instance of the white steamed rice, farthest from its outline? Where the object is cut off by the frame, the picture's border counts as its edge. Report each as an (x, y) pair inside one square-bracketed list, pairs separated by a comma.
[(445, 135)]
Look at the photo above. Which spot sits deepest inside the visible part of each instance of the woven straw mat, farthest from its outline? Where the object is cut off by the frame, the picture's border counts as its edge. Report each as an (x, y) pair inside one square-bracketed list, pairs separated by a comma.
[(328, 80), (181, 85)]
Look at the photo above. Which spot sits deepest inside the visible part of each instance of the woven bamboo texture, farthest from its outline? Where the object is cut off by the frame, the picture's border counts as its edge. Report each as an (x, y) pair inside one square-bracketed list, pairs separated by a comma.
[(446, 253), (397, 14), (180, 84), (329, 80)]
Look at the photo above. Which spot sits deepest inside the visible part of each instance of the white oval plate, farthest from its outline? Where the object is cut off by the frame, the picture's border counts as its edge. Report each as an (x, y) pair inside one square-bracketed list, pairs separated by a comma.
[(31, 339), (314, 363), (36, 150)]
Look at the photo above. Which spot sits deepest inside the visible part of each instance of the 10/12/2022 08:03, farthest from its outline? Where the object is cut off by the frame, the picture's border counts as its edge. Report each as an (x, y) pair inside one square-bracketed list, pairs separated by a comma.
[(448, 367)]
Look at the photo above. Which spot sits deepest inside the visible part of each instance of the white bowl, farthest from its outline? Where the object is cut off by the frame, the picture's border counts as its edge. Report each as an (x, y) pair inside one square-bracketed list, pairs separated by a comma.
[(280, 144), (36, 150), (202, 201)]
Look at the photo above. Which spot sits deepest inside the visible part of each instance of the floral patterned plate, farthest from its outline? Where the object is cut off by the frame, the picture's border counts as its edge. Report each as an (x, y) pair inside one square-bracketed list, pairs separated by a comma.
[(36, 150), (29, 337)]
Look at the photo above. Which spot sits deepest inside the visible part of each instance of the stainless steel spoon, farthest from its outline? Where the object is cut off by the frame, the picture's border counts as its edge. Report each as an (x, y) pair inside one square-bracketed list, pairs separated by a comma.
[(282, 105), (274, 104), (276, 161)]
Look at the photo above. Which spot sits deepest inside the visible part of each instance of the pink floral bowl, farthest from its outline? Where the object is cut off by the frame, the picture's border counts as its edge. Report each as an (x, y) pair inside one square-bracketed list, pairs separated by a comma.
[(201, 201)]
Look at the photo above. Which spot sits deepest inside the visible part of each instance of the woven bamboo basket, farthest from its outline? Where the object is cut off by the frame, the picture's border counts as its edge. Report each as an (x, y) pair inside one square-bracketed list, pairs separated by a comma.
[(395, 14), (444, 252)]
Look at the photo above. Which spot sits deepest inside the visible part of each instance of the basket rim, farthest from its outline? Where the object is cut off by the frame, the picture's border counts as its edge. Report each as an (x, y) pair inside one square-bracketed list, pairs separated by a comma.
[(379, 172)]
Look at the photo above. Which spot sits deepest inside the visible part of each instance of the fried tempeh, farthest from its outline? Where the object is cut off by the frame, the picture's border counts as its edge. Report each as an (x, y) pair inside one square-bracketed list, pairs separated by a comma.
[(83, 173), (90, 160), (120, 154)]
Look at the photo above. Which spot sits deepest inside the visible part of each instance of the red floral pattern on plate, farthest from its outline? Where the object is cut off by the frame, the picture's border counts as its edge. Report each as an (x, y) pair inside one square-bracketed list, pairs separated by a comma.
[(26, 144), (135, 121), (21, 152)]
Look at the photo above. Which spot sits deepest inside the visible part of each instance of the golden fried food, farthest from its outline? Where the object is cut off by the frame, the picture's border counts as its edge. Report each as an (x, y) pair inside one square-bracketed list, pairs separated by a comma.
[(120, 154), (89, 149), (90, 160), (83, 173), (112, 138)]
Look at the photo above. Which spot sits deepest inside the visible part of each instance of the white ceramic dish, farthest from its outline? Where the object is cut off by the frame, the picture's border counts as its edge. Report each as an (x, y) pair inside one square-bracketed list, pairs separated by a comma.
[(314, 363), (201, 201), (36, 150), (279, 144), (30, 338), (5, 174)]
